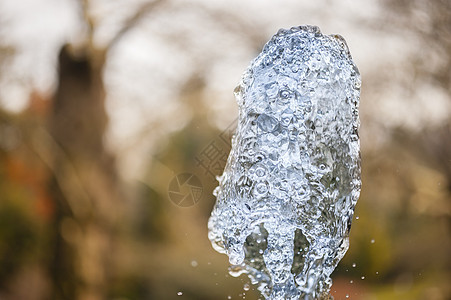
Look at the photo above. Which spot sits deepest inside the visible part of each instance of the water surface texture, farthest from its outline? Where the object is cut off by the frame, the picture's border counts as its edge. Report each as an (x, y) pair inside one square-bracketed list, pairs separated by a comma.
[(286, 199)]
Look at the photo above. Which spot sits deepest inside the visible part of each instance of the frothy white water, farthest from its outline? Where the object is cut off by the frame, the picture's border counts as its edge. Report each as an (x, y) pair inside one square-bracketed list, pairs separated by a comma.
[(286, 199)]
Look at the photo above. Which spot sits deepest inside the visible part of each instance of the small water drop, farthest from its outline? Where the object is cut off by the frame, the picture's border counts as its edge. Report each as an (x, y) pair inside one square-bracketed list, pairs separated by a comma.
[(347, 295), (194, 263), (373, 241), (354, 265), (229, 297), (357, 217), (351, 281), (363, 277), (246, 287), (179, 293)]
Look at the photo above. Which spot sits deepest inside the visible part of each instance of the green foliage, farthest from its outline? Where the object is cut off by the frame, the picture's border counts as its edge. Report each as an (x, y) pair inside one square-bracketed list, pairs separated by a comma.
[(19, 237)]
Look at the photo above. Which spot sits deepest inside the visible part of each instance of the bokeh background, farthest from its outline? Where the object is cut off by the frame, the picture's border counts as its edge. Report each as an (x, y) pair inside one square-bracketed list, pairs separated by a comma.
[(104, 103)]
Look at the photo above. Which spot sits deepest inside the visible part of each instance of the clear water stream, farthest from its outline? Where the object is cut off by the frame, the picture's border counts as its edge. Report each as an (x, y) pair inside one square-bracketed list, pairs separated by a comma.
[(286, 199)]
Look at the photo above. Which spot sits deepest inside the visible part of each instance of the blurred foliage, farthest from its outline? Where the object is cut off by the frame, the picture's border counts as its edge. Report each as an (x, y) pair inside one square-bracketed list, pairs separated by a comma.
[(18, 243), (400, 241)]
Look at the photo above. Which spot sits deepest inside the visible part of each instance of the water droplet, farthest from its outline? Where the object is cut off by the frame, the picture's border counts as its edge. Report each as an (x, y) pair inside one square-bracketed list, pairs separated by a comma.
[(347, 295), (194, 263), (246, 287), (373, 241), (179, 293), (363, 277), (354, 265)]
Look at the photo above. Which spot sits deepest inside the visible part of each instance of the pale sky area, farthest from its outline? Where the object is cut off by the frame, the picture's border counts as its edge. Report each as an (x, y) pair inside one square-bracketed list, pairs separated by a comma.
[(146, 69)]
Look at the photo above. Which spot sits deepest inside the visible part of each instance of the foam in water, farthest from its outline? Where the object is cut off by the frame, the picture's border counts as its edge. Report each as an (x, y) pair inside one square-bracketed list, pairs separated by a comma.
[(286, 199)]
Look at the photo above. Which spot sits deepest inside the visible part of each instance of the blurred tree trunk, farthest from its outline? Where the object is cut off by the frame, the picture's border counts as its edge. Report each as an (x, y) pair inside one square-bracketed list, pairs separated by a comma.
[(430, 22), (85, 182)]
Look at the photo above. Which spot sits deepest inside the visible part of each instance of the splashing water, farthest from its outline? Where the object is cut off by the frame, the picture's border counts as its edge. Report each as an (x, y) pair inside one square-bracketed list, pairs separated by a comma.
[(286, 199)]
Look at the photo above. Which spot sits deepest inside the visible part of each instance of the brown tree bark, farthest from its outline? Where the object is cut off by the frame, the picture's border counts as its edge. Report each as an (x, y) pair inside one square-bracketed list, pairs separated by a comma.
[(84, 184)]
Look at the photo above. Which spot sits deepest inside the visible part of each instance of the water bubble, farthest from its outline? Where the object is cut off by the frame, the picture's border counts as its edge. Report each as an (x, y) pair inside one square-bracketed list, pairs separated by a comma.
[(260, 172), (272, 89), (267, 60), (303, 42), (267, 123), (295, 66), (285, 96), (286, 117), (261, 189), (272, 215)]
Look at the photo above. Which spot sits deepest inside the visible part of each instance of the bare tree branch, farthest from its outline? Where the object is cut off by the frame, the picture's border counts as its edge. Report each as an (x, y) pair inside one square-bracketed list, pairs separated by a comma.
[(78, 199), (88, 19), (140, 13), (234, 23), (230, 21)]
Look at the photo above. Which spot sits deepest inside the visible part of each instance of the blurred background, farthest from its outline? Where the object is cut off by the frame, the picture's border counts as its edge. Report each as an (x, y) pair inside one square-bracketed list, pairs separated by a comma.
[(116, 116)]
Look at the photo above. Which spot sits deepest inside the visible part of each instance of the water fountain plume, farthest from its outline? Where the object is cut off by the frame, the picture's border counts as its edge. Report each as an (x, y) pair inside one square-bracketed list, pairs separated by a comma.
[(286, 199)]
